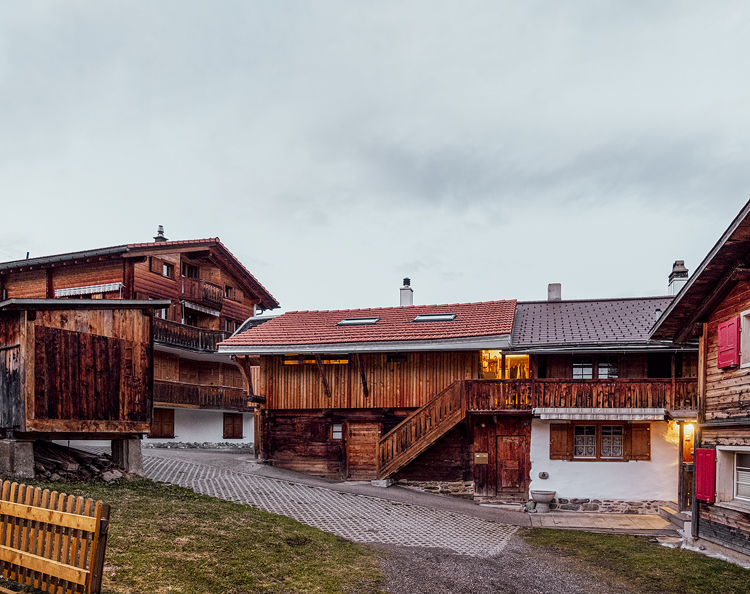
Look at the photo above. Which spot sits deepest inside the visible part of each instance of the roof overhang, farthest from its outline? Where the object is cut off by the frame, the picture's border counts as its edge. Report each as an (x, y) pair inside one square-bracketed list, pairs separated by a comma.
[(726, 264), (600, 414), (642, 347), (497, 341)]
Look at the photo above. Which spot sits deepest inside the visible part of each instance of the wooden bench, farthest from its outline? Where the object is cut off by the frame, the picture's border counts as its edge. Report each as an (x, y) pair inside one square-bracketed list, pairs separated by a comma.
[(52, 541)]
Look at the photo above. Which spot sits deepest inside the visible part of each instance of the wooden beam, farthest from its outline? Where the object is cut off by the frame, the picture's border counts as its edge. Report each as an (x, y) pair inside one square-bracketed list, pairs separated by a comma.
[(362, 375), (50, 284), (321, 371)]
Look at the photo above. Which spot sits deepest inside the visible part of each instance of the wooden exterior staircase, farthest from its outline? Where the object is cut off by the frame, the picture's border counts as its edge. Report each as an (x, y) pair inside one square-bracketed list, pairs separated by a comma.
[(420, 430)]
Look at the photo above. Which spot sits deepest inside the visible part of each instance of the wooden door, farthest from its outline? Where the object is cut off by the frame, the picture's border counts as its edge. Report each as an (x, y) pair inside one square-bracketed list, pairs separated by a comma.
[(512, 464), (361, 443)]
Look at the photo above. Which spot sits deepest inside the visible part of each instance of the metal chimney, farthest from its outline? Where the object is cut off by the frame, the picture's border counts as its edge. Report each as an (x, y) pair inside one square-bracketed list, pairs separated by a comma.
[(407, 293), (160, 234), (678, 278), (554, 292)]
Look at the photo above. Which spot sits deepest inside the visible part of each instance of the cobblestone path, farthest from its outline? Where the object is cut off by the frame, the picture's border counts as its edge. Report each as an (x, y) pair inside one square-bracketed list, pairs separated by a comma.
[(356, 517)]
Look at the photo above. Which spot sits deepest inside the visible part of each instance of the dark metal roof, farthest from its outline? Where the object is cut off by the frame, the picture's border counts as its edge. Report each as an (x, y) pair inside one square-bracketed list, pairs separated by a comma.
[(39, 304), (110, 251), (726, 264), (606, 323)]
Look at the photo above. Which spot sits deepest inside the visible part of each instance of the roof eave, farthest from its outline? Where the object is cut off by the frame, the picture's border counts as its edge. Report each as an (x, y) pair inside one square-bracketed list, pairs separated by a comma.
[(496, 341)]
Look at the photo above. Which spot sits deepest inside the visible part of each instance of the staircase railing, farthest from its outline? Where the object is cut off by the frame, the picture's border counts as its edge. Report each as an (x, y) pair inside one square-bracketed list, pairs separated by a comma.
[(421, 429)]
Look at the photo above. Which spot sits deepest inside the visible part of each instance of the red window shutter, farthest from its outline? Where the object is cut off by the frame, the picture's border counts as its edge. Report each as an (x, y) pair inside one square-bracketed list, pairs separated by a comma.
[(729, 344), (705, 474)]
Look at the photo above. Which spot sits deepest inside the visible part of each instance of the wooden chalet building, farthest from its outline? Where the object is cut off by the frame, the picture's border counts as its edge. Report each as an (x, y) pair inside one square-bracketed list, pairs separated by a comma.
[(198, 394), (714, 307), (479, 398)]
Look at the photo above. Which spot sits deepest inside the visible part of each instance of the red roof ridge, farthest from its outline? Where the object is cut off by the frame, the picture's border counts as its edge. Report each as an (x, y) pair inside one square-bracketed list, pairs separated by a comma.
[(403, 307)]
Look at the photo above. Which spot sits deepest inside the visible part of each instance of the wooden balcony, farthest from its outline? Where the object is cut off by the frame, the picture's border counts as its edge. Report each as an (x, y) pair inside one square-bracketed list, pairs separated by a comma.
[(187, 337), (190, 395), (201, 292), (514, 395)]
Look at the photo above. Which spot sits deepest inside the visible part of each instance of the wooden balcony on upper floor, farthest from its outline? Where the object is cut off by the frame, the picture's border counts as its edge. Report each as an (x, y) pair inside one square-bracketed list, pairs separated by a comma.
[(515, 395), (201, 292), (195, 396), (187, 337)]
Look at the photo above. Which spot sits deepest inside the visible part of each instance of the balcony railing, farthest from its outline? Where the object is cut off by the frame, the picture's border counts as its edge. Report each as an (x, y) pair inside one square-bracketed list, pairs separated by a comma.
[(187, 337), (216, 397), (499, 395), (202, 292)]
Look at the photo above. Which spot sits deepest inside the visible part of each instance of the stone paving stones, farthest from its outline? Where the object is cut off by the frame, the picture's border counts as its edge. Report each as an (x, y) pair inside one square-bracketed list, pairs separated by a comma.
[(359, 518)]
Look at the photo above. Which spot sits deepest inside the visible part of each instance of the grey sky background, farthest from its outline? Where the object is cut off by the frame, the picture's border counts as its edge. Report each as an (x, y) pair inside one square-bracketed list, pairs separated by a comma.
[(484, 149)]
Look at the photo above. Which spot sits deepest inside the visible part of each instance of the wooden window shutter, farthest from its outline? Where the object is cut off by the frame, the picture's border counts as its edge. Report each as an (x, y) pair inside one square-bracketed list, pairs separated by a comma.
[(228, 426), (238, 295), (238, 427), (640, 441), (705, 474), (729, 344), (319, 430), (559, 446), (157, 265), (163, 425), (232, 426)]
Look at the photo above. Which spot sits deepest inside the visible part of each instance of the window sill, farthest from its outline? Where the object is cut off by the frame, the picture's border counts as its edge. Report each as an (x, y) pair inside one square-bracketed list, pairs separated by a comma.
[(735, 505)]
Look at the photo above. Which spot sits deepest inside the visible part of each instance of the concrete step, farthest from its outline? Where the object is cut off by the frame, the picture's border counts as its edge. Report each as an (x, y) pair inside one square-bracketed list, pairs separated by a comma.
[(673, 516)]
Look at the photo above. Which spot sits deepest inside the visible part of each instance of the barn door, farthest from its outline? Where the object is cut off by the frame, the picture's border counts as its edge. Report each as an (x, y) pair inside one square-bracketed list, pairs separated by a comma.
[(512, 464), (361, 443)]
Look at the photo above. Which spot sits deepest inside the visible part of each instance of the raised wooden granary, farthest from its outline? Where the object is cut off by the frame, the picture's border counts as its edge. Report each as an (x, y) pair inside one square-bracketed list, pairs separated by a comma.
[(714, 308), (73, 369), (487, 399), (199, 396)]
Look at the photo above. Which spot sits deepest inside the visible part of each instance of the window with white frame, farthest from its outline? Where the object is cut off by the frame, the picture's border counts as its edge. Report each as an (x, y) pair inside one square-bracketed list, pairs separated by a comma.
[(745, 338), (612, 441), (584, 441), (337, 432), (742, 476), (583, 367)]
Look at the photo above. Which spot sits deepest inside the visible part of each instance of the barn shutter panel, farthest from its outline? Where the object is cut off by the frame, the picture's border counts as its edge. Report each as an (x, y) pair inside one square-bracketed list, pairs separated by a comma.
[(156, 265), (319, 430), (239, 295), (640, 441), (237, 427), (227, 426), (558, 442), (729, 344), (705, 474)]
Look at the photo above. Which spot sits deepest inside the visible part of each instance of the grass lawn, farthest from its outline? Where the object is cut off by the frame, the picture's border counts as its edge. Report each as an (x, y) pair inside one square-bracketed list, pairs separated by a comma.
[(168, 539), (641, 564)]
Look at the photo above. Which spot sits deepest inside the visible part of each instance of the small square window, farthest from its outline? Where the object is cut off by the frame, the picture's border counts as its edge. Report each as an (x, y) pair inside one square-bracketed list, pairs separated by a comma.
[(742, 476), (167, 270), (607, 367), (337, 432), (583, 367), (612, 441)]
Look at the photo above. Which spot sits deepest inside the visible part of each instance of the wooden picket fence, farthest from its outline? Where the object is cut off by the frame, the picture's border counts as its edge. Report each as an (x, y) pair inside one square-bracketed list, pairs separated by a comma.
[(52, 541)]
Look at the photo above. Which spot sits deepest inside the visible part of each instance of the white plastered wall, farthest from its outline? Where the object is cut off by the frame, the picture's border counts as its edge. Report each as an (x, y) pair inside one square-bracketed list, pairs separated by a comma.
[(199, 426), (635, 480)]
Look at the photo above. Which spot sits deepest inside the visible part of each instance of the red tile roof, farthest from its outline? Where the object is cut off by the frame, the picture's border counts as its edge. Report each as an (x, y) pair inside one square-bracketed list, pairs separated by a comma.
[(395, 324)]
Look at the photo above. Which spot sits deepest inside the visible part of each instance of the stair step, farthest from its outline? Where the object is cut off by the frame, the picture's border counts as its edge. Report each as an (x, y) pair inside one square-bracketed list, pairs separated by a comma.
[(673, 516)]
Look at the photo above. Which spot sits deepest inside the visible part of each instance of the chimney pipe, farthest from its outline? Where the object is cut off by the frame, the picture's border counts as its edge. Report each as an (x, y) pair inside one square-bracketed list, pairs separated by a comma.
[(160, 234), (678, 278), (554, 292), (407, 293)]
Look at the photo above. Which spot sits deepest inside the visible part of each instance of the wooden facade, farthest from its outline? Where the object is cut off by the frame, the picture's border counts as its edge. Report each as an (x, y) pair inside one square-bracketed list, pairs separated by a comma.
[(68, 370), (410, 416)]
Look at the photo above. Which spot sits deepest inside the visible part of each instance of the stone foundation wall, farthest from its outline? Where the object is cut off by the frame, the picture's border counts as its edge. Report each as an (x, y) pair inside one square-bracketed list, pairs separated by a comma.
[(617, 506), (463, 489), (171, 445)]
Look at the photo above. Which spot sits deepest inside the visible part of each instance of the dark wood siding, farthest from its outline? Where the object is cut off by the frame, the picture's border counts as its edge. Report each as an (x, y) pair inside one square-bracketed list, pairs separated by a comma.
[(446, 460)]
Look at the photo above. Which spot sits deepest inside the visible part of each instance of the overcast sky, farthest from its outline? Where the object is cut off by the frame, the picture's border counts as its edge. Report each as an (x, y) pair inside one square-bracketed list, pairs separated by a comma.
[(484, 149)]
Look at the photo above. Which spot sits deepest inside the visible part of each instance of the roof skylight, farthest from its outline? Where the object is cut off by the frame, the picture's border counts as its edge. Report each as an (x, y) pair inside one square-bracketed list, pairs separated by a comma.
[(444, 317), (358, 322)]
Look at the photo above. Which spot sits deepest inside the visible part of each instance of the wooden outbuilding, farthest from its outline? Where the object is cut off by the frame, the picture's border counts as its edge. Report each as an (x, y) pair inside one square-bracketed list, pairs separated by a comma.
[(74, 369), (714, 308)]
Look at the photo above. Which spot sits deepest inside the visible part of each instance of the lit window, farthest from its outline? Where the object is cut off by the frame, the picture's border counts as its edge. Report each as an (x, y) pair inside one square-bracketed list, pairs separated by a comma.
[(358, 322), (516, 367), (447, 317), (338, 431), (583, 368), (742, 476), (585, 441)]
